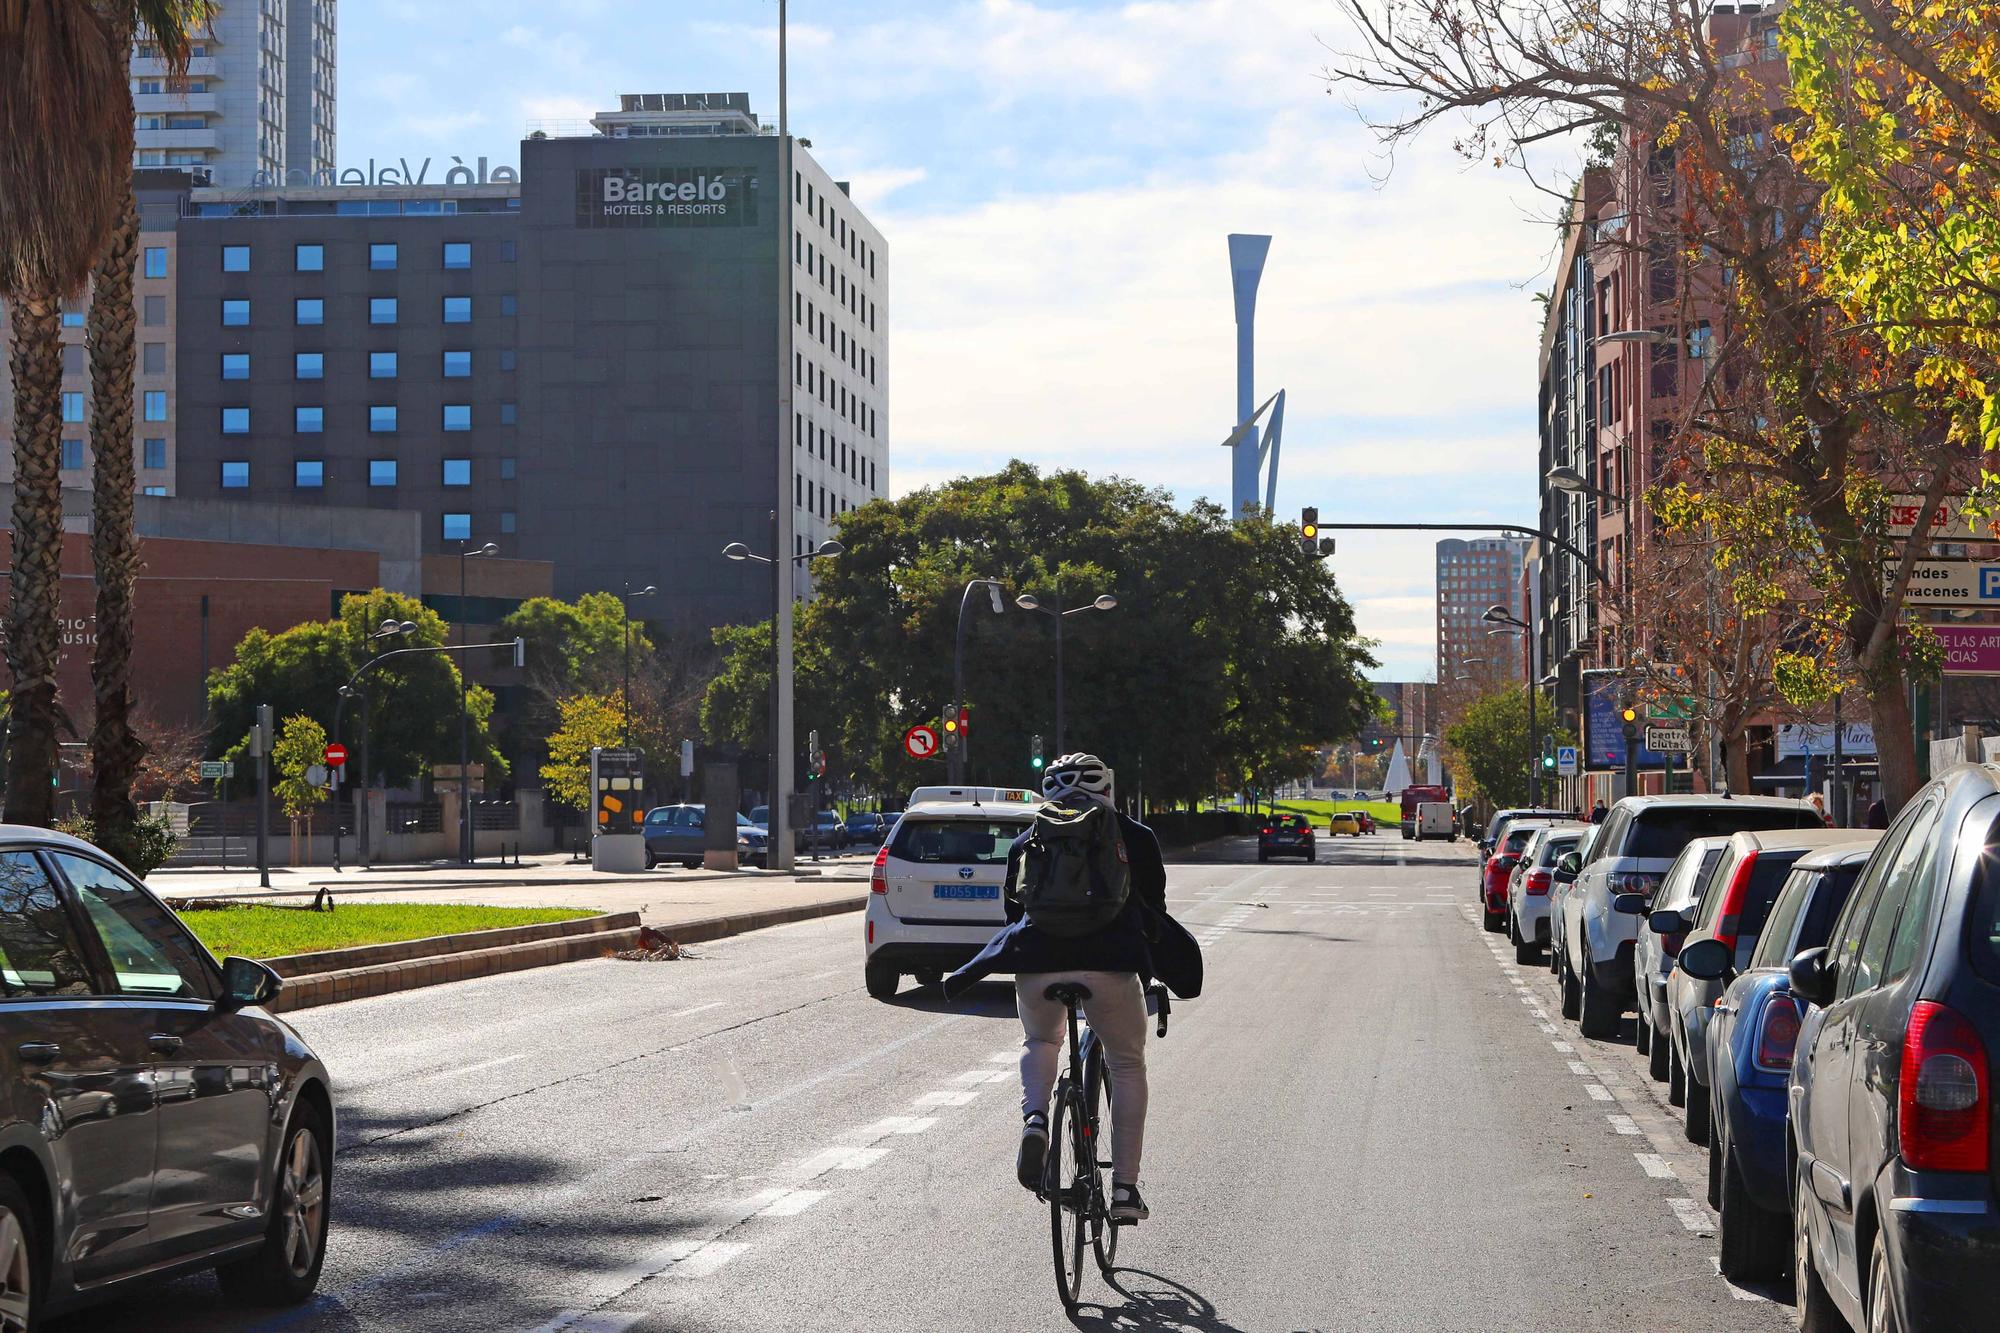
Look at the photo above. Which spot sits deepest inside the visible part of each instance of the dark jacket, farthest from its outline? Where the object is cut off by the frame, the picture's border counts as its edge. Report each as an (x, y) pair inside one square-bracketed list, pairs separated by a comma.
[(1142, 938)]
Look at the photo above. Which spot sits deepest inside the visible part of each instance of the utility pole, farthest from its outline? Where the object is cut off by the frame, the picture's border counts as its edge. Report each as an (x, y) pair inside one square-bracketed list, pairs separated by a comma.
[(779, 854), (263, 737)]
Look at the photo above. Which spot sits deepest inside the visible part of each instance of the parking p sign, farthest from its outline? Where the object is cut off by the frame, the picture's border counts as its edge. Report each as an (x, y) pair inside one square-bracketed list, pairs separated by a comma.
[(1566, 765)]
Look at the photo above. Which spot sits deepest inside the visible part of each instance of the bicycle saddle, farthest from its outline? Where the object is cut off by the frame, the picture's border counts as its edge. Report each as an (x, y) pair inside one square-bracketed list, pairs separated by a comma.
[(1068, 992)]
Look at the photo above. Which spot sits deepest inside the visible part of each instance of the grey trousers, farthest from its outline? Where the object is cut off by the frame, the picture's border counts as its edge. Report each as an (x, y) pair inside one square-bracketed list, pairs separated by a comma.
[(1116, 1011)]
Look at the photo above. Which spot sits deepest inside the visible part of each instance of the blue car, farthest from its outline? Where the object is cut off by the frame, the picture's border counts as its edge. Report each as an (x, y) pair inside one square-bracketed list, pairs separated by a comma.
[(1751, 1038)]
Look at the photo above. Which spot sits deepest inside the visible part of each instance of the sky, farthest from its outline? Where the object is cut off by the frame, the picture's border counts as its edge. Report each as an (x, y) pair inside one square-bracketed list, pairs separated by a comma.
[(1056, 180)]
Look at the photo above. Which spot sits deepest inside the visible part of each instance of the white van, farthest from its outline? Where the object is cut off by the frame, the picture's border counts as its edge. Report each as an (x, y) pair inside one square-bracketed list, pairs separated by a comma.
[(1434, 820)]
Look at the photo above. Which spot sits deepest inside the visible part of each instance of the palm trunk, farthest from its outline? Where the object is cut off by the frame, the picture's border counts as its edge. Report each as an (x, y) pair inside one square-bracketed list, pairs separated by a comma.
[(36, 579), (114, 750)]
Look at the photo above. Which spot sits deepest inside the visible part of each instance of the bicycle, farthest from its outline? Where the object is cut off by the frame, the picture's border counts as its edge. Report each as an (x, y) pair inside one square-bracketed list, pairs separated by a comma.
[(1073, 1155)]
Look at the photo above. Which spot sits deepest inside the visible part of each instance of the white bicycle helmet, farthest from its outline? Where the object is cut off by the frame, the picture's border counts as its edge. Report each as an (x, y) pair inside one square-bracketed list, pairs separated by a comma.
[(1074, 773)]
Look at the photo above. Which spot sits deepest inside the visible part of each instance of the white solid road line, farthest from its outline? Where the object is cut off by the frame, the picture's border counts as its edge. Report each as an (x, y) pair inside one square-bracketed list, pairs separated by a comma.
[(700, 1008)]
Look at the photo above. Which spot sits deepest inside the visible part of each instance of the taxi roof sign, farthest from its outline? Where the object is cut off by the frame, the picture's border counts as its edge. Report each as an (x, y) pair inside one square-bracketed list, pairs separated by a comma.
[(977, 795)]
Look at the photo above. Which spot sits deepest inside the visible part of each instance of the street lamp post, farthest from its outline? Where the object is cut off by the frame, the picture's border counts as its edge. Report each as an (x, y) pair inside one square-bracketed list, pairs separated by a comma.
[(957, 759), (1506, 622), (388, 629), (1029, 602), (625, 597), (466, 551)]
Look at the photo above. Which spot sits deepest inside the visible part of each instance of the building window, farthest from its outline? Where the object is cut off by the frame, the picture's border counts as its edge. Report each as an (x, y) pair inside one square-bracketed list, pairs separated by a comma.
[(507, 252), (154, 490), (153, 358), (506, 358), (235, 314), (72, 455), (457, 365), (309, 258), (382, 310), (382, 256), (308, 420), (309, 310), (506, 469), (156, 261), (458, 416), (153, 454), (155, 314), (381, 472), (458, 471), (381, 365), (309, 474), (235, 421), (507, 414), (156, 404), (309, 365), (458, 310), (457, 254), (507, 521), (507, 304), (235, 476), (236, 365), (72, 406), (457, 527), (235, 259), (381, 418)]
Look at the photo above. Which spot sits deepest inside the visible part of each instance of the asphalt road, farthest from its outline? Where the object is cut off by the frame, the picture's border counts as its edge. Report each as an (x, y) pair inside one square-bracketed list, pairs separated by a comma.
[(1371, 1121)]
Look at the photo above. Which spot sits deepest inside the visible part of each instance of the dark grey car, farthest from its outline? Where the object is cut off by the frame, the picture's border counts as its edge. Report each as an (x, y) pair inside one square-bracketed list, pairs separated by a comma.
[(154, 1118)]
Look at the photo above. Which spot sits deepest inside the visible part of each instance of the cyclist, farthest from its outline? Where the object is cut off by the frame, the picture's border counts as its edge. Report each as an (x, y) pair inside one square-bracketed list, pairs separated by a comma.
[(1114, 963)]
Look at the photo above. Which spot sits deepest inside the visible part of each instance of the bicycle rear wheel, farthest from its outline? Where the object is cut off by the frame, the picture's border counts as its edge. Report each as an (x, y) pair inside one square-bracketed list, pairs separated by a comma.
[(1068, 1188)]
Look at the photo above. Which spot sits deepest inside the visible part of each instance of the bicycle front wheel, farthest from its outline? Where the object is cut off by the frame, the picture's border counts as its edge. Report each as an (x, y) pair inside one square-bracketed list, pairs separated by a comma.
[(1069, 1173), (1097, 1098)]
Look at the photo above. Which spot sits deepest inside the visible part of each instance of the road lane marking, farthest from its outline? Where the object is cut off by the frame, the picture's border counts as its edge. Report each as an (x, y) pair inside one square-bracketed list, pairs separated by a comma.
[(1598, 1092), (1563, 1046), (1623, 1124), (1655, 1166), (975, 1076), (791, 1203), (1579, 1067), (700, 1008), (1693, 1216), (899, 1124), (1740, 1293), (944, 1098), (583, 1321), (707, 1259)]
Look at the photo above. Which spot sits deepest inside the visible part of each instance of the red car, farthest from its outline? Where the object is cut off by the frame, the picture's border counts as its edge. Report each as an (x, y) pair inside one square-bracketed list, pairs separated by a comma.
[(1499, 869)]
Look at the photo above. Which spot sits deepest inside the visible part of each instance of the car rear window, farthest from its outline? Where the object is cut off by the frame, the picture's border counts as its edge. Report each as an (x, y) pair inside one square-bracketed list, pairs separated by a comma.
[(1659, 834), (955, 842), (1766, 878), (1552, 849), (1517, 838)]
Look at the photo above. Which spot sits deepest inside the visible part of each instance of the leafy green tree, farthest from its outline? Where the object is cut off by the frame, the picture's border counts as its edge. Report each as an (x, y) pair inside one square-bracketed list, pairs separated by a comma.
[(1492, 746), (301, 743), (585, 722), (1230, 651)]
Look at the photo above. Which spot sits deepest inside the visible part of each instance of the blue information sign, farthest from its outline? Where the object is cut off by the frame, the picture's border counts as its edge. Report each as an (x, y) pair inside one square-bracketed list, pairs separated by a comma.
[(1604, 729)]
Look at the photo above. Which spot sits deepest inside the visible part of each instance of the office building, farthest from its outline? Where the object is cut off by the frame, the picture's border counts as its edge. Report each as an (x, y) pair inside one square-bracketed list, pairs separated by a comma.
[(1472, 576)]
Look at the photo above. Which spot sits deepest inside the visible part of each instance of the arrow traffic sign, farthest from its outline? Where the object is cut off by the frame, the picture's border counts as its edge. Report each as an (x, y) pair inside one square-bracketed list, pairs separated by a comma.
[(920, 742), (336, 755)]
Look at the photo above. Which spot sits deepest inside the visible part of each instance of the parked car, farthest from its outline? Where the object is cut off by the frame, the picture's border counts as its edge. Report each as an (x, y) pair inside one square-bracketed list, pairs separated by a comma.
[(1528, 888), (1653, 953), (1286, 835), (1496, 826), (866, 826), (828, 832), (1893, 1196), (1499, 868), (1366, 820), (1641, 837), (1560, 884), (680, 833), (1343, 822), (159, 1119), (935, 890), (1436, 819), (1751, 1041)]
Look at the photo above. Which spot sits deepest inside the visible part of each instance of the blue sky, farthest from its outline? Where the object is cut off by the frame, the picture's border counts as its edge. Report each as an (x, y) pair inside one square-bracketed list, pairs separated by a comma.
[(1056, 180)]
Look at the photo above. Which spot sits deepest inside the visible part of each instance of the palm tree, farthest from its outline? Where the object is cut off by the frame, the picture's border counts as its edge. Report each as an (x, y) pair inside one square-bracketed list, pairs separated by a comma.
[(66, 146), (115, 749)]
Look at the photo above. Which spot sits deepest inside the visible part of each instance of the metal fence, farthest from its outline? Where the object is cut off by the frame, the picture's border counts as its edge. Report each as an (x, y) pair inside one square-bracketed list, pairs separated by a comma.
[(502, 815), (415, 817)]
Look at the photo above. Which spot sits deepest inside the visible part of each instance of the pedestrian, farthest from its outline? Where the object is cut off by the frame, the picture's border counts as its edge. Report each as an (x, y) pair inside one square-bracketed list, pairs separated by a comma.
[(1818, 803), (1599, 812), (1878, 813)]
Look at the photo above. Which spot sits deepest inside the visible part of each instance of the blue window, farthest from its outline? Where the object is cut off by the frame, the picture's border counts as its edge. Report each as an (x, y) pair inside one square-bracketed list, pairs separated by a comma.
[(506, 469), (382, 256), (382, 418), (457, 527), (309, 473), (381, 365), (235, 476), (381, 472), (382, 310), (235, 259), (156, 261), (457, 365), (235, 421), (457, 254), (458, 416), (154, 490), (72, 406), (506, 358), (156, 404), (507, 414), (235, 314), (507, 520), (458, 310), (309, 310), (153, 454), (72, 319), (507, 304), (309, 365), (308, 420), (309, 258), (236, 365), (72, 455), (458, 471)]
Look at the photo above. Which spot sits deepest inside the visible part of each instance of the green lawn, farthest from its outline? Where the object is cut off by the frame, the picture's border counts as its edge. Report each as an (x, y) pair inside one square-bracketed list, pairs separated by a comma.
[(272, 932), (1385, 812)]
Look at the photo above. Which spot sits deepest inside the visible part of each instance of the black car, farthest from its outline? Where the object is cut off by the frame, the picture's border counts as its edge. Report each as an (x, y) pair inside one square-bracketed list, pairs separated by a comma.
[(155, 1119), (1286, 835), (1895, 1211)]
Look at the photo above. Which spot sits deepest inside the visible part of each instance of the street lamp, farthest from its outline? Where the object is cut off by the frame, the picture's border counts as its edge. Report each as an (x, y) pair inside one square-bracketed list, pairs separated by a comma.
[(625, 596), (1027, 601), (1506, 622), (390, 628), (956, 758), (466, 551)]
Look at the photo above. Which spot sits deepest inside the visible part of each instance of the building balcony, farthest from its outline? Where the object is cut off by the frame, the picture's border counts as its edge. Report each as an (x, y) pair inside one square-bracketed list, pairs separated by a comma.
[(175, 139), (169, 104), (201, 67)]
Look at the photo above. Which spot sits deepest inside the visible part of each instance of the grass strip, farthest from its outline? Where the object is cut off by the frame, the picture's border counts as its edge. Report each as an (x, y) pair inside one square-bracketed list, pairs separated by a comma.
[(273, 932)]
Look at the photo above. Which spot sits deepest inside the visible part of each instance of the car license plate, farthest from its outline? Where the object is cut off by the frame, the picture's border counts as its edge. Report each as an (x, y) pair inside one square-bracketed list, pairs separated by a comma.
[(965, 892)]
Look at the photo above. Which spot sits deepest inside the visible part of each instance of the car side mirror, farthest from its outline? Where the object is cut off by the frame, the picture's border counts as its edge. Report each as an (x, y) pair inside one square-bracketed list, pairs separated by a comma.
[(1631, 904), (1812, 977), (246, 982), (1667, 921), (1570, 864), (1707, 960)]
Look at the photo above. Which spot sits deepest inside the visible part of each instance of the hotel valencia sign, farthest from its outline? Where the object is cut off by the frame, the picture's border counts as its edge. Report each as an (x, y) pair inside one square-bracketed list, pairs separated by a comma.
[(666, 197)]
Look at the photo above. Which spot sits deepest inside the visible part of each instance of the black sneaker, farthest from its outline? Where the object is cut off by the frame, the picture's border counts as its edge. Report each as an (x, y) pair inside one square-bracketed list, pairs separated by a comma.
[(1034, 1147), (1126, 1205)]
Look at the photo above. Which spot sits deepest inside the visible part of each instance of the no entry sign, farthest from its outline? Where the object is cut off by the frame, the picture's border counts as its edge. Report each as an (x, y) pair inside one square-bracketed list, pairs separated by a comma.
[(336, 755), (920, 742)]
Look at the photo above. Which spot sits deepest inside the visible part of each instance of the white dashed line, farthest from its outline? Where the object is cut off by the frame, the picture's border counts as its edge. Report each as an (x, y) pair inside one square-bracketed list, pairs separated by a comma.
[(899, 1124), (1579, 1067), (714, 1004), (972, 1077), (1598, 1092), (1623, 1124), (707, 1259), (1563, 1046), (1692, 1215), (791, 1203), (944, 1098), (1655, 1166)]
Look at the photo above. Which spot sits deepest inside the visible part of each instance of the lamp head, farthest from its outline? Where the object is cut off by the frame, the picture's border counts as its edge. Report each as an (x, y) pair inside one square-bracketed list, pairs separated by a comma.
[(736, 551), (830, 548), (1106, 603), (646, 591), (993, 591), (1027, 601), (1497, 614), (407, 627), (1566, 479)]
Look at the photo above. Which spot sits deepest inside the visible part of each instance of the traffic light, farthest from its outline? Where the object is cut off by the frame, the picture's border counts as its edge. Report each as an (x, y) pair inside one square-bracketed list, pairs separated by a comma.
[(815, 761), (1035, 759), (1548, 763), (1631, 718), (1309, 530)]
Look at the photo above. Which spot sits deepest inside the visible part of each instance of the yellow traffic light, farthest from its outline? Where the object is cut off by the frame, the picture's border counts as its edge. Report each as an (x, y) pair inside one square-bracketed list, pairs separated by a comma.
[(1631, 715), (951, 724)]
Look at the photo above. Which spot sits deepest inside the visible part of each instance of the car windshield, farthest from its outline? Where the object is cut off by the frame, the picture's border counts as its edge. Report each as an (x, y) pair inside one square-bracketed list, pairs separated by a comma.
[(961, 842), (744, 821), (1660, 834)]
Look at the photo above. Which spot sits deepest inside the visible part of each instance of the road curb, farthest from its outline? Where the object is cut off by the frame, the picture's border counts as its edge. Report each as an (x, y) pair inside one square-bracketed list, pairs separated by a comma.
[(464, 957), (339, 888)]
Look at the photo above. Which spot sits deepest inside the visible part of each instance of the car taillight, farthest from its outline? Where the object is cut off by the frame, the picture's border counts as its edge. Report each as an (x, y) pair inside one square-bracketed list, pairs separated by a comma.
[(1728, 919), (878, 878), (1631, 881), (1263, 830), (1942, 1106), (1777, 1034), (1537, 882)]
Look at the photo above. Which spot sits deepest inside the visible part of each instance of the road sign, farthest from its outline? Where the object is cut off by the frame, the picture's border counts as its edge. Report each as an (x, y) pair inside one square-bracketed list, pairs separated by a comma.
[(336, 755), (212, 769), (1949, 583), (687, 759), (920, 742), (317, 775), (1669, 740), (1566, 764), (1949, 521)]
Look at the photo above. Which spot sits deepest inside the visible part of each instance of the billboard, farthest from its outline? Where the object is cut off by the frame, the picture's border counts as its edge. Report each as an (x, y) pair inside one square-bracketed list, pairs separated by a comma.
[(1603, 729)]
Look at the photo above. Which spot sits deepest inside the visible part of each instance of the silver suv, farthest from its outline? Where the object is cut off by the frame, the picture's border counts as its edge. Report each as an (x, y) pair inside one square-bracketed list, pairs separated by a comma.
[(1638, 843)]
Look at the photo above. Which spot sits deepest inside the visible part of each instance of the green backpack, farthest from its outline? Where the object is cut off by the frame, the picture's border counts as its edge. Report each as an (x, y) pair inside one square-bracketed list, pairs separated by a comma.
[(1073, 876)]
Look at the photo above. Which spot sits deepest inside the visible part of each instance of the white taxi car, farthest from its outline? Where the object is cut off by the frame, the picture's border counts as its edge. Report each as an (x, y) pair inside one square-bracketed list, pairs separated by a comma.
[(935, 892)]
